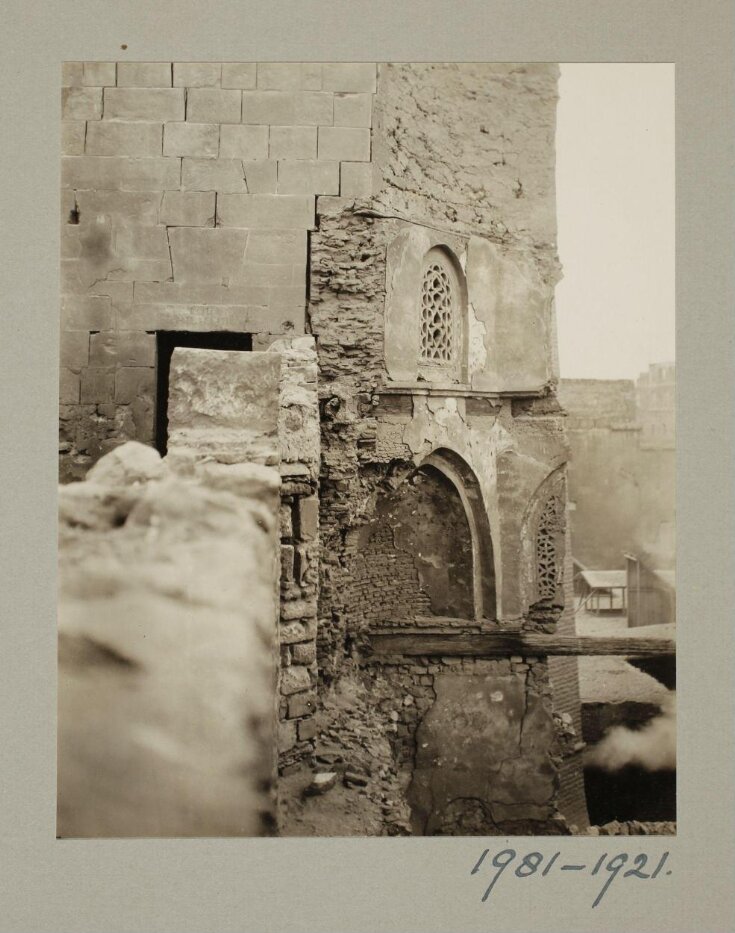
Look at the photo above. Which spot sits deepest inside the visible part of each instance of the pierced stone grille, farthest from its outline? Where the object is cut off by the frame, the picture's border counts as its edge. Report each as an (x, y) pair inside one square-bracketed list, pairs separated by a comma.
[(437, 315), (547, 562)]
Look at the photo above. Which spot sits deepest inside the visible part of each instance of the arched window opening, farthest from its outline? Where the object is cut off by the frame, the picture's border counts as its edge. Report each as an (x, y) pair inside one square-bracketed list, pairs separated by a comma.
[(441, 309), (549, 562)]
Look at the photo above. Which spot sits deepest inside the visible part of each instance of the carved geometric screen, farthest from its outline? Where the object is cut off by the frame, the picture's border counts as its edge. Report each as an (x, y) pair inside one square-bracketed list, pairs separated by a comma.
[(547, 559), (438, 314)]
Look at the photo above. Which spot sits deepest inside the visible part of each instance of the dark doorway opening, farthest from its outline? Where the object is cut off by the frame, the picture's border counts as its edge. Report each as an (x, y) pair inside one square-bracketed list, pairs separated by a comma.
[(166, 343)]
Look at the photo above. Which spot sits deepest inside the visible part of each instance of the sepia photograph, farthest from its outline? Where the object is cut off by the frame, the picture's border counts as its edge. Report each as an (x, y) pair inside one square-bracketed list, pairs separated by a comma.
[(366, 450)]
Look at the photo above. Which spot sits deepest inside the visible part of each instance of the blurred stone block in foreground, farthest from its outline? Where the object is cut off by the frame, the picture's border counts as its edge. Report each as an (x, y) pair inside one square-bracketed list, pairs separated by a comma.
[(167, 623)]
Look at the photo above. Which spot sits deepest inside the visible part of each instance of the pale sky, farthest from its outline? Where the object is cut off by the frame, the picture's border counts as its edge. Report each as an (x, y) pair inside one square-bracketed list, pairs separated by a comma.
[(615, 208)]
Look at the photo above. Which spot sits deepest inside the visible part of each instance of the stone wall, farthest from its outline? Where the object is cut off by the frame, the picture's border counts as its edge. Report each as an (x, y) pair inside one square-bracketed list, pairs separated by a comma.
[(167, 637), (470, 148), (371, 428), (494, 425), (656, 403), (599, 403), (471, 731), (295, 205), (188, 195), (248, 408), (621, 486)]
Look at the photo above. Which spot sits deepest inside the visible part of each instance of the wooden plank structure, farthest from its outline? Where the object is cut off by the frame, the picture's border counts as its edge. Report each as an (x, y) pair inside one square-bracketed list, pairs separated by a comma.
[(462, 638), (595, 585)]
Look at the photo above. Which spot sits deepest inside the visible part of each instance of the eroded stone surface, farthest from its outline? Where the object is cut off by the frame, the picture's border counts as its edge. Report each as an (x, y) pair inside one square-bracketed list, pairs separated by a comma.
[(130, 463), (225, 404), (485, 739), (167, 619)]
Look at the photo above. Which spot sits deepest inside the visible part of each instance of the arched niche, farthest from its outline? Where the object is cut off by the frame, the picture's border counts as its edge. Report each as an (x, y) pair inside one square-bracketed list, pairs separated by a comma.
[(544, 544), (426, 329), (427, 550), (463, 478)]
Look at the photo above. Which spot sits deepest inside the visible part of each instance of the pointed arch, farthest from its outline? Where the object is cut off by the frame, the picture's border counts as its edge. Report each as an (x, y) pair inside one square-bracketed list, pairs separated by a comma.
[(456, 469), (543, 536)]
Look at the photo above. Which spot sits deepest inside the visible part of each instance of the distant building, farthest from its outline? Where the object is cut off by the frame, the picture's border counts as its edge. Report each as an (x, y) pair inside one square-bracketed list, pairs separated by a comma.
[(622, 468), (651, 593), (656, 400)]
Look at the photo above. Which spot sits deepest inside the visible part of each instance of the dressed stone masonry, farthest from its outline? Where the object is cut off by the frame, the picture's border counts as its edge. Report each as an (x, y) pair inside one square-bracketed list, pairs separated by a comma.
[(367, 255)]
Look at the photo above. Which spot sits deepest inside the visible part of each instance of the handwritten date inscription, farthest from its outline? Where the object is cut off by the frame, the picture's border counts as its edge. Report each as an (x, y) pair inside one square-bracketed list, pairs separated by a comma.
[(533, 862)]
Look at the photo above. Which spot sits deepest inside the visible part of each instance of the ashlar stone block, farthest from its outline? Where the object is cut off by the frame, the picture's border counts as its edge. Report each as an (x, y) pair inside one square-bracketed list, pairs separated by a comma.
[(203, 255), (133, 383), (81, 103), (120, 174), (69, 382), (277, 246), (308, 518), (144, 74), (74, 350), (353, 109), (308, 177), (98, 386), (99, 74), (292, 142), (81, 312), (238, 74), (72, 74), (188, 208), (224, 175), (197, 74), (72, 137), (349, 76), (356, 179), (279, 76), (284, 108), (261, 176), (243, 142), (344, 143), (295, 679), (145, 104), (197, 140), (213, 105), (266, 212), (124, 139), (122, 348)]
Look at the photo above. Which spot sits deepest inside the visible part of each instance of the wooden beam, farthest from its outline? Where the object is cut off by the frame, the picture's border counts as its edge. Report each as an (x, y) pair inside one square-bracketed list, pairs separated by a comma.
[(416, 641)]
